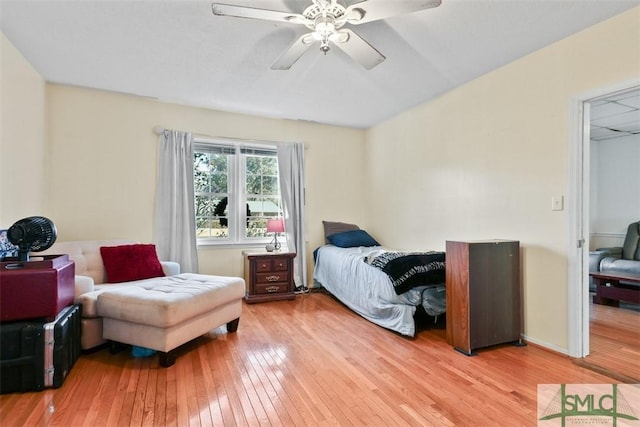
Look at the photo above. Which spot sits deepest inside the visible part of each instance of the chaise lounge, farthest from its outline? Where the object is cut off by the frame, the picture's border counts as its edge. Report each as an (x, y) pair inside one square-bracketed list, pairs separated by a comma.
[(161, 311)]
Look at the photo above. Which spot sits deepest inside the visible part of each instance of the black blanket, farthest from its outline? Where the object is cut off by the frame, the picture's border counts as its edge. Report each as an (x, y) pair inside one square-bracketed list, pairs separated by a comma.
[(410, 269)]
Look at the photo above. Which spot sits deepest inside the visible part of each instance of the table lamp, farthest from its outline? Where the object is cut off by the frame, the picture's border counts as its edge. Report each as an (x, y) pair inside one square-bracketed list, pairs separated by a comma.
[(275, 226)]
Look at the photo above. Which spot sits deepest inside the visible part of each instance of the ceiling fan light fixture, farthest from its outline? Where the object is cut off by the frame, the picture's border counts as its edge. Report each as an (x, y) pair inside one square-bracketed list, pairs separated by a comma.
[(339, 37), (308, 38), (324, 30), (325, 25)]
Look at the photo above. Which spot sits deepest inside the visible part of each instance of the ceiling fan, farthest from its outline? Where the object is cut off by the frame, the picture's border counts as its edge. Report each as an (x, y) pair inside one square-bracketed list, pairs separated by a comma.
[(326, 19)]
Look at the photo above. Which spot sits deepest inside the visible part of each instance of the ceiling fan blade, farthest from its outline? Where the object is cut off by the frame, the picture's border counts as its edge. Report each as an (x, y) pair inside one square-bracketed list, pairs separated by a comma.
[(295, 51), (358, 48), (254, 13), (367, 11)]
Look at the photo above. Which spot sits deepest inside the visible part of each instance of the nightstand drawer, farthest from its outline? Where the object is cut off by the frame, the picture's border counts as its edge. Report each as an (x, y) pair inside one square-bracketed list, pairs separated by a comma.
[(272, 264), (272, 277), (272, 288)]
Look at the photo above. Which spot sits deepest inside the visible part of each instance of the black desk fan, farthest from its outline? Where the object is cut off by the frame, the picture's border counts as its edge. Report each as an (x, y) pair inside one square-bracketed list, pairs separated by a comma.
[(32, 234)]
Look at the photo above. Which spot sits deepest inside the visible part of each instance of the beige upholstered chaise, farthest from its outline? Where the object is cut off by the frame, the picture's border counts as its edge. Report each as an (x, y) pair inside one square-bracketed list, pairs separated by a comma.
[(160, 313)]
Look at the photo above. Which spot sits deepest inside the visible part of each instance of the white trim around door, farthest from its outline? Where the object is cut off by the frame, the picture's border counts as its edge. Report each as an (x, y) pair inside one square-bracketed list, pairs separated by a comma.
[(578, 214)]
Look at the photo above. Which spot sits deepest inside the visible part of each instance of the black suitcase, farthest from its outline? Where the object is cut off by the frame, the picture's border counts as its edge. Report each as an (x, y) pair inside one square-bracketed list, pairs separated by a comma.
[(35, 354)]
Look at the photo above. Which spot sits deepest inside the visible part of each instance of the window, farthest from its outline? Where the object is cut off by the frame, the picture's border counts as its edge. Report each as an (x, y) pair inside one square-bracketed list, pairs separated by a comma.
[(236, 191)]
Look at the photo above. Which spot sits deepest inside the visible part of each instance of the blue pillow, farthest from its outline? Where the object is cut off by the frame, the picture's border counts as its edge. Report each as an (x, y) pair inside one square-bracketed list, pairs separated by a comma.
[(352, 239)]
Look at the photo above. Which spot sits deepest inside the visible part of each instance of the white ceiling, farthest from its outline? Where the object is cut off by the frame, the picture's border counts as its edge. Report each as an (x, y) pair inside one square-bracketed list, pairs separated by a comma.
[(616, 116), (178, 51)]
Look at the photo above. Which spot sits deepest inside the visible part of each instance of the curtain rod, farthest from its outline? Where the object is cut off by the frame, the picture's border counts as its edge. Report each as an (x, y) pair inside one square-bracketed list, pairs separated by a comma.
[(159, 130)]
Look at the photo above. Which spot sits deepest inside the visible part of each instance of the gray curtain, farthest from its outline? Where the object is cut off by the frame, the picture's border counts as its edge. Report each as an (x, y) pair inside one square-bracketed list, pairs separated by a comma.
[(175, 211), (291, 165)]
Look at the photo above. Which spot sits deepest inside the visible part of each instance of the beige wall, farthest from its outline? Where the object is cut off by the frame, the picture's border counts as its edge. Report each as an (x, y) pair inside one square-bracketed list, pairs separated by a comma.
[(103, 166), (483, 161), (23, 166)]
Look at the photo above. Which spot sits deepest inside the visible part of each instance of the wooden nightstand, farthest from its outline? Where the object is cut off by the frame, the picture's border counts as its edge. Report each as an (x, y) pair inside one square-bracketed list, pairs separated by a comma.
[(269, 276)]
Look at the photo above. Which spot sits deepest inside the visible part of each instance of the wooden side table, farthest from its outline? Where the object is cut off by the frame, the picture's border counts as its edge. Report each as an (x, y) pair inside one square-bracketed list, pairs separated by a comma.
[(269, 276), (610, 291)]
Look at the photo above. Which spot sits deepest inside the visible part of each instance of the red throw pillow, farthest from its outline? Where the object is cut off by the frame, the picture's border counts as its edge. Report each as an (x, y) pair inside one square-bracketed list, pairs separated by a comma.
[(131, 262)]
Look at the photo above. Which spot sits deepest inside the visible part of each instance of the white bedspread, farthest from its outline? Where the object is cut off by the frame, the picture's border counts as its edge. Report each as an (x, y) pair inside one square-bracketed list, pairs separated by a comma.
[(365, 289)]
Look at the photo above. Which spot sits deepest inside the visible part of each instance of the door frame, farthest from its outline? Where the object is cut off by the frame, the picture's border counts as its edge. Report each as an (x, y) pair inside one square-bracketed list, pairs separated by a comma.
[(578, 213)]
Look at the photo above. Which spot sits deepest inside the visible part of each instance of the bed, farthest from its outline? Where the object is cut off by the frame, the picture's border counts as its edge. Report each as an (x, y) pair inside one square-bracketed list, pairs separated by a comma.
[(354, 268)]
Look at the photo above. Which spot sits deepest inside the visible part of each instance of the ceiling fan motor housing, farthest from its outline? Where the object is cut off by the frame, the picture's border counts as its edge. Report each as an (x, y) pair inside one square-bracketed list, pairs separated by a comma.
[(335, 10)]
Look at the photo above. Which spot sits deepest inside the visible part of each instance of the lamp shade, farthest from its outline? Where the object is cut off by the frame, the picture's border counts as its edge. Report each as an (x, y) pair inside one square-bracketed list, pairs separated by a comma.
[(275, 225)]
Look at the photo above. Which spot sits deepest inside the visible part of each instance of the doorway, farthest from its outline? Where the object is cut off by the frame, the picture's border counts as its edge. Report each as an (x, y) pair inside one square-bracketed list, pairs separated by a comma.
[(602, 124)]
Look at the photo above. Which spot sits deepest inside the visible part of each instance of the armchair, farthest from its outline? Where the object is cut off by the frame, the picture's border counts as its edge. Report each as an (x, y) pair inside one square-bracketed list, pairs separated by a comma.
[(625, 259)]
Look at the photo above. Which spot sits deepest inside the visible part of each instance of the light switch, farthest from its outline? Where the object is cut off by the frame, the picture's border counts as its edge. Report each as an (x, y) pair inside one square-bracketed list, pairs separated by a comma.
[(557, 203)]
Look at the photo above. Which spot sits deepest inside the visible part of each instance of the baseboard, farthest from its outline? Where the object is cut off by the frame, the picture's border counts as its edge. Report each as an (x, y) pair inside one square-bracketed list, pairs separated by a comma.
[(547, 345)]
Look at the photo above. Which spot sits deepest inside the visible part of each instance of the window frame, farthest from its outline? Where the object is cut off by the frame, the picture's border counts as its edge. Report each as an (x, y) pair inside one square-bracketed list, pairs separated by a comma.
[(236, 191)]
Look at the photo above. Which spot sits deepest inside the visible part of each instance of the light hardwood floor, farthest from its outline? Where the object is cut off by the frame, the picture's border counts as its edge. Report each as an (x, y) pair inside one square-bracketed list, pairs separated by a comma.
[(614, 346), (310, 361)]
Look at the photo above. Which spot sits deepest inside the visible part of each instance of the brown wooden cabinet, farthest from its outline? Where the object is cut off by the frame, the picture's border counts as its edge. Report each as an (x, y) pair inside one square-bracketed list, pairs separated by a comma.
[(483, 294), (269, 276)]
